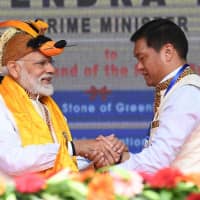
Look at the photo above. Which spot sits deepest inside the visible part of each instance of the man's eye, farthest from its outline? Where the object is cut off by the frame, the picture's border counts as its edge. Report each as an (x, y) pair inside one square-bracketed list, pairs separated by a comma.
[(141, 58), (43, 63)]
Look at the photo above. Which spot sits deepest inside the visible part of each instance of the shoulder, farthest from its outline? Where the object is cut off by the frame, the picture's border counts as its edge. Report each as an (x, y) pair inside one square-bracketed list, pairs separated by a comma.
[(192, 79), (185, 96), (186, 90)]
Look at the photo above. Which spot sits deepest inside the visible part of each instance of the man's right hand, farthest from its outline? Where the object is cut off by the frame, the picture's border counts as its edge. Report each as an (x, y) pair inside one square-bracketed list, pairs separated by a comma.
[(103, 151), (86, 148)]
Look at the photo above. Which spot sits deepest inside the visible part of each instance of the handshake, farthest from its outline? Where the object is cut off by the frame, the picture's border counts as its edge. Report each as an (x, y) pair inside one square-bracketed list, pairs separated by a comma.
[(102, 151)]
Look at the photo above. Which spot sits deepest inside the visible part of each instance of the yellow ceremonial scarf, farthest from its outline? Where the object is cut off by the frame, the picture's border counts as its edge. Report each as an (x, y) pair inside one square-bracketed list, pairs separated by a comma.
[(32, 128)]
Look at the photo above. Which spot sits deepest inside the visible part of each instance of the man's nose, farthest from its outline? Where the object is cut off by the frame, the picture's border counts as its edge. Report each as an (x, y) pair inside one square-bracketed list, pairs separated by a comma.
[(139, 66), (50, 68)]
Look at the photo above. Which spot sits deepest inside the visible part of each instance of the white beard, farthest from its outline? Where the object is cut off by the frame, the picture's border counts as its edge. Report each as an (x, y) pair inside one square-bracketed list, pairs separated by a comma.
[(34, 85)]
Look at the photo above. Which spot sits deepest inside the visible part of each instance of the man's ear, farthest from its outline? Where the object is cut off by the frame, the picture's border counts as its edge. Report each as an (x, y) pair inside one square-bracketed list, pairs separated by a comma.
[(168, 52), (14, 69)]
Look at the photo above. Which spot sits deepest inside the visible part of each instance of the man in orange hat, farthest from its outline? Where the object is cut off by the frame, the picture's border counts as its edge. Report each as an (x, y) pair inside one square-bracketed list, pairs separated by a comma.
[(34, 135)]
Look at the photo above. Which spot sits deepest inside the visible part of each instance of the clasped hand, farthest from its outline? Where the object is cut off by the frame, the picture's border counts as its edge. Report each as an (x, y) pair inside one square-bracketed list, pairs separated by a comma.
[(102, 151)]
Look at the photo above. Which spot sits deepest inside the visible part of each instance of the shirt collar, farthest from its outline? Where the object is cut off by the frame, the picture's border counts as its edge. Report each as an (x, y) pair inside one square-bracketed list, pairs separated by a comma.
[(170, 75)]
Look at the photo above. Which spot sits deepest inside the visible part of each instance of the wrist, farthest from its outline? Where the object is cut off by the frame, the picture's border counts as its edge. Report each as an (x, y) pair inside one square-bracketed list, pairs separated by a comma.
[(84, 147), (80, 147), (125, 156)]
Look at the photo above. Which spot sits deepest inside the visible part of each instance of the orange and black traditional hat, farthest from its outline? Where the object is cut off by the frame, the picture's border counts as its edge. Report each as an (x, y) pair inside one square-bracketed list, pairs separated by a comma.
[(24, 37)]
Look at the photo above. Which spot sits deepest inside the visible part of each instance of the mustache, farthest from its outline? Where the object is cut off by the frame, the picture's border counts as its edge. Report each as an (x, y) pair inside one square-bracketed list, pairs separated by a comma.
[(50, 76)]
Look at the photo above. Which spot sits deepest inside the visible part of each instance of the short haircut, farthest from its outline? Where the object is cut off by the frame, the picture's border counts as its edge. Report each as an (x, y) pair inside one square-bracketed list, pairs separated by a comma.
[(159, 32)]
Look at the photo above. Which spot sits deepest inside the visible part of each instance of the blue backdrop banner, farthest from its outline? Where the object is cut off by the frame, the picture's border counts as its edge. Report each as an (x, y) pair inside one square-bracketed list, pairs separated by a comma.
[(124, 113), (117, 106)]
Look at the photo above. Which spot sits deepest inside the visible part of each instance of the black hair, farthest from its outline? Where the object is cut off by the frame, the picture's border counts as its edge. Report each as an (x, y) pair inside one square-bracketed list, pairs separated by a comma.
[(160, 31)]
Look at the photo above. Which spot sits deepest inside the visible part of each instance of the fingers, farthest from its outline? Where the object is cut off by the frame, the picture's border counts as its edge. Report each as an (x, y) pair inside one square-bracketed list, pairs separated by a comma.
[(103, 151), (105, 146), (113, 148), (98, 160), (102, 155), (107, 142), (109, 150), (114, 143), (110, 155), (119, 146)]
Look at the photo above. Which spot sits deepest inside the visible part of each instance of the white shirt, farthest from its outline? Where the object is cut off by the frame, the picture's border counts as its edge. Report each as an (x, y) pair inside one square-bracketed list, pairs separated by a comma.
[(181, 114), (17, 160)]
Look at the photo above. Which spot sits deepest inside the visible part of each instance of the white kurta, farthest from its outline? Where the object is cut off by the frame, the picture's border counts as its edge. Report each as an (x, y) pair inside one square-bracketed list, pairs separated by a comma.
[(179, 116), (15, 159)]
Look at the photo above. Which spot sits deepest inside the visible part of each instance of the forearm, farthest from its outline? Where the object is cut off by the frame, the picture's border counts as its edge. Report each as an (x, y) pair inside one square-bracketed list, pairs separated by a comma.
[(16, 159), (33, 158)]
